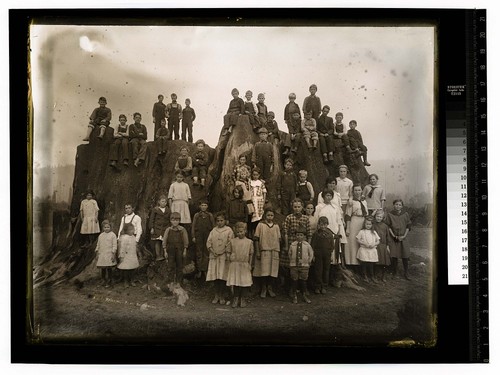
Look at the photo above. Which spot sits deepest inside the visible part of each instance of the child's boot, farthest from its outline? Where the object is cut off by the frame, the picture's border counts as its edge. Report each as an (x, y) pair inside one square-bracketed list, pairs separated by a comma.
[(195, 181), (293, 291), (243, 301), (89, 130), (314, 144), (330, 156), (216, 298), (202, 182), (303, 288), (270, 290), (405, 266), (325, 158), (113, 163), (308, 142), (365, 157), (125, 162), (263, 290), (101, 132)]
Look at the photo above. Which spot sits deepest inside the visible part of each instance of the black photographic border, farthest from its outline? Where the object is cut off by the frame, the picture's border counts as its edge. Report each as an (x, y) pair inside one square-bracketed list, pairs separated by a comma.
[(453, 303)]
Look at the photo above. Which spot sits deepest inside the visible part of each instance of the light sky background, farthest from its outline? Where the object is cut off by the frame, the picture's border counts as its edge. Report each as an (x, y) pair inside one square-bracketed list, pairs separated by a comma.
[(381, 76), (493, 202)]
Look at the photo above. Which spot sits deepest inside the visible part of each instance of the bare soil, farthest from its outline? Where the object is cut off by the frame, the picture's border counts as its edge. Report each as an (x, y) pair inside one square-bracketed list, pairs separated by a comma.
[(381, 315)]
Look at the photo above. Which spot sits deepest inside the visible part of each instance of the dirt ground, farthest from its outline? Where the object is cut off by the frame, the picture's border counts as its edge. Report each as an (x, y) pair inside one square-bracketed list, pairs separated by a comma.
[(379, 316)]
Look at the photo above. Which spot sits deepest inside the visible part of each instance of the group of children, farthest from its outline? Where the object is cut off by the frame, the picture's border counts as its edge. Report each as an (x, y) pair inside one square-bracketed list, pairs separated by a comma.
[(315, 128), (136, 133), (243, 245), (348, 226)]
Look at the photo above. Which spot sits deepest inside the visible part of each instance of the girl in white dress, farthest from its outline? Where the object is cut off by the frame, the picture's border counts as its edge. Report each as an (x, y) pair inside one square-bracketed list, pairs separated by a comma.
[(106, 253), (218, 250), (179, 198), (88, 214), (259, 193), (127, 254), (368, 240), (239, 274), (354, 218)]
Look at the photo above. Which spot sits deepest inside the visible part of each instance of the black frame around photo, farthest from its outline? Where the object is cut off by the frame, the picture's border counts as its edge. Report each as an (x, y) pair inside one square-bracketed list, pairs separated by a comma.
[(451, 304)]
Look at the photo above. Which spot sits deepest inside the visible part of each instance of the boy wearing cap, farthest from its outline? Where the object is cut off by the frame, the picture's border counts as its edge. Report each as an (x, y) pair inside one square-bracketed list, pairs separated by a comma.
[(101, 116), (262, 154), (312, 103), (200, 162), (236, 109), (301, 256)]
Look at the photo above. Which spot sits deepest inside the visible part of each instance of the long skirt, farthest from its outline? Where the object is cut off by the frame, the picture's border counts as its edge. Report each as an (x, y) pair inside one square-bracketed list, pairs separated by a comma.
[(351, 249), (268, 264), (217, 267)]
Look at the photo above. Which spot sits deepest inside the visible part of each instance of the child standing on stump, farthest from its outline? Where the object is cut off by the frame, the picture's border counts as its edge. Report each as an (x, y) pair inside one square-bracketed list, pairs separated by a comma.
[(173, 113), (188, 116), (312, 103), (259, 193), (89, 211), (399, 225), (301, 256), (127, 254), (101, 117), (356, 142), (162, 137), (244, 183), (383, 251), (287, 187), (267, 239), (159, 221), (175, 243), (262, 154), (106, 253), (218, 243), (200, 162), (291, 108), (239, 274), (203, 223), (235, 110), (179, 198), (158, 113), (120, 141), (368, 240), (237, 209)]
